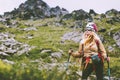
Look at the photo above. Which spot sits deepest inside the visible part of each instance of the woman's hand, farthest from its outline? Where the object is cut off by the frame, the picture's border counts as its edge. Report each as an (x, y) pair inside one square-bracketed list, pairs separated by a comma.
[(70, 51), (108, 59)]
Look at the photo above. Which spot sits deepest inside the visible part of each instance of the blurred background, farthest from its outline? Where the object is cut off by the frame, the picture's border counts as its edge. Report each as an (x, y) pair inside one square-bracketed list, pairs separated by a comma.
[(35, 36)]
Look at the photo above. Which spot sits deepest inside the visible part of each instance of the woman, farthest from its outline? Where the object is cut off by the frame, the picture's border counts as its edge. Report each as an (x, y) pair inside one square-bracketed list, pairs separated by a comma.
[(92, 52)]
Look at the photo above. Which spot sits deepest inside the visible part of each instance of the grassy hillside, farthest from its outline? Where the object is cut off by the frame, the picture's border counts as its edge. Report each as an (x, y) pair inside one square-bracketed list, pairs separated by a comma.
[(48, 37)]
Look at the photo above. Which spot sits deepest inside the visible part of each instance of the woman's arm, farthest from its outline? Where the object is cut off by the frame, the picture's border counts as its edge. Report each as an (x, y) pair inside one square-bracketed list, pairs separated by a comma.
[(102, 49), (77, 53)]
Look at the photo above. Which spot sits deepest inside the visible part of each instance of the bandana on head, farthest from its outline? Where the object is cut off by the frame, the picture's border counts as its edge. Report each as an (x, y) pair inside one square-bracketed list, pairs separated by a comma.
[(91, 26)]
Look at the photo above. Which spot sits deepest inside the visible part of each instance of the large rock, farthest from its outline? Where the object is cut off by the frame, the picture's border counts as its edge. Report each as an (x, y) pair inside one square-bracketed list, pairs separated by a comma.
[(57, 55), (112, 16), (92, 12), (80, 14), (77, 15), (57, 11), (74, 36), (116, 37), (35, 9), (10, 46), (112, 12)]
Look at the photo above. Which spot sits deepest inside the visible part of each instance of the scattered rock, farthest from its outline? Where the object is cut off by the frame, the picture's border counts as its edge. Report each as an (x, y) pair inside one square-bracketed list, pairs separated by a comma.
[(74, 36), (56, 55)]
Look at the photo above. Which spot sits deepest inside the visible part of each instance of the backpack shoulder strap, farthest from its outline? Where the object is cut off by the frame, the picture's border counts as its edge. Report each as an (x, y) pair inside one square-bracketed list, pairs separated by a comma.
[(82, 49), (99, 53), (97, 42)]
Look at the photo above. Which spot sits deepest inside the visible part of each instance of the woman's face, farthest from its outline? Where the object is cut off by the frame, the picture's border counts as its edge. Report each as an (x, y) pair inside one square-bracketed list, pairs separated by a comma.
[(88, 33)]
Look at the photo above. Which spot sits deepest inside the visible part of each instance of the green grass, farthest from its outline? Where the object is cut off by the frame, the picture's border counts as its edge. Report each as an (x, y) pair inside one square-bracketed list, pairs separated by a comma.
[(49, 37), (114, 67)]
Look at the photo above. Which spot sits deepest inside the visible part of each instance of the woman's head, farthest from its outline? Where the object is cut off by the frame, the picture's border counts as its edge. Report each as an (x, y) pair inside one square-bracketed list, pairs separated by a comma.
[(90, 33)]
